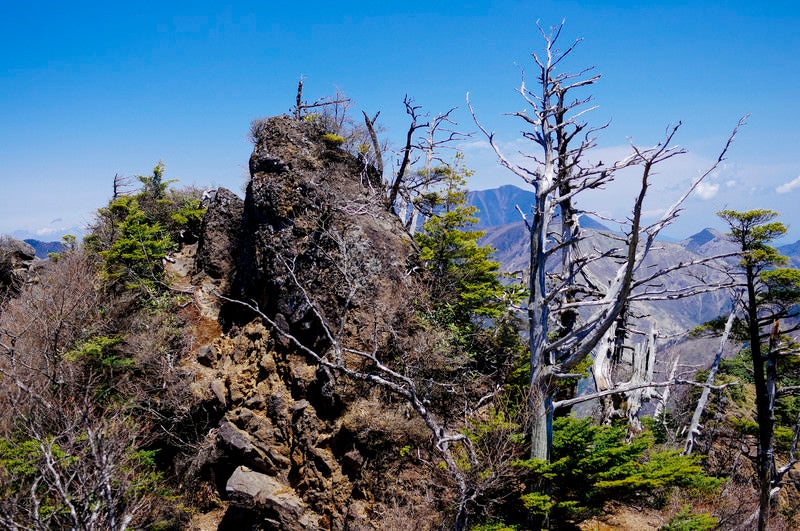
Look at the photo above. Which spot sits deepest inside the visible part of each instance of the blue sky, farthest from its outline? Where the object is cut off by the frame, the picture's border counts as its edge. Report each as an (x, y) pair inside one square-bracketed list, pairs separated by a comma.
[(90, 89)]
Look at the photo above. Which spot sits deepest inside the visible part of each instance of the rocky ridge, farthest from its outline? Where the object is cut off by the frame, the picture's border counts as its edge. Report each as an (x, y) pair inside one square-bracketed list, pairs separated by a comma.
[(313, 247)]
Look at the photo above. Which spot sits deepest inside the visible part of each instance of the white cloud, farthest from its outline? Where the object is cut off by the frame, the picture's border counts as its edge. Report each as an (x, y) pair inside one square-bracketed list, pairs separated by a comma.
[(706, 190), (788, 187), (730, 184), (474, 144), (654, 213)]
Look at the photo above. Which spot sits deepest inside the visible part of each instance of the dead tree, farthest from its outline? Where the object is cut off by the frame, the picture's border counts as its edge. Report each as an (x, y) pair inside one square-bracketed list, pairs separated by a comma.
[(408, 185), (694, 425), (121, 185), (301, 106), (567, 318), (413, 112), (438, 136), (369, 123)]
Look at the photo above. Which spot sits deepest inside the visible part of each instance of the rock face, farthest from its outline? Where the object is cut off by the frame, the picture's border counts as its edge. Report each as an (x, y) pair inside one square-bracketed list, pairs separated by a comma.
[(282, 508), (214, 260), (315, 217), (219, 234), (297, 447), (15, 258), (19, 251)]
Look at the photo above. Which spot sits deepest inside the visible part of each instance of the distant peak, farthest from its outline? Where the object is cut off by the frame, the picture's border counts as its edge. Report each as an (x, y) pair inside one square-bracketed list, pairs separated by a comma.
[(703, 237)]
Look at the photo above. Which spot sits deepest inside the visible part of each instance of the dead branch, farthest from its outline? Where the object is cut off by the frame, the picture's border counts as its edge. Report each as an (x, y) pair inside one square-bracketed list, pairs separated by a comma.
[(694, 425), (560, 404)]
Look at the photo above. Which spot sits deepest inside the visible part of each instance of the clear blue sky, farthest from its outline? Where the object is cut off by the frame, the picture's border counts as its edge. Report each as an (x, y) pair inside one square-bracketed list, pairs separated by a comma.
[(90, 89)]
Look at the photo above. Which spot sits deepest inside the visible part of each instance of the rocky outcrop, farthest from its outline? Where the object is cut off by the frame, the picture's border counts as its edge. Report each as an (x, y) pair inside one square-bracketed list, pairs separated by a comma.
[(19, 251), (281, 508), (315, 218), (213, 260), (15, 259), (219, 234), (298, 446)]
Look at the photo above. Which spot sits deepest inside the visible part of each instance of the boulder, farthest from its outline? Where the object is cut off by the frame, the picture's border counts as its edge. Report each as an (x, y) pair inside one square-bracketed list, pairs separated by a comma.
[(18, 250), (206, 355), (278, 504), (15, 259)]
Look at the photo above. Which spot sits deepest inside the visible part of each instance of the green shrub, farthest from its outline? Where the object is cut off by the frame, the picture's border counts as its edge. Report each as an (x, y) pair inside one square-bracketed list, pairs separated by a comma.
[(134, 255), (494, 525), (592, 464), (100, 351), (333, 140), (686, 521)]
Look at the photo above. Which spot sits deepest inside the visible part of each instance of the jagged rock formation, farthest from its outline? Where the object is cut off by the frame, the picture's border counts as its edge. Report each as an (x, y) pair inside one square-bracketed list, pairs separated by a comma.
[(15, 259), (219, 236), (296, 446), (213, 257), (316, 213)]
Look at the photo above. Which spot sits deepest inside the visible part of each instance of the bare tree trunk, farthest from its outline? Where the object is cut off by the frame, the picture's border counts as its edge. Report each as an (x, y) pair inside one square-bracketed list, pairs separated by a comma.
[(694, 425), (298, 108), (394, 190), (541, 395), (602, 371), (644, 359), (540, 404), (661, 406), (413, 221), (373, 136)]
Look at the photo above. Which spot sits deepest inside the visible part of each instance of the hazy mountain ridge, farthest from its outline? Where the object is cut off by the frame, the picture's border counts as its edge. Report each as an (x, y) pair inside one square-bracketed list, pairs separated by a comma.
[(510, 239), (672, 316), (498, 206), (44, 248), (506, 232), (792, 251)]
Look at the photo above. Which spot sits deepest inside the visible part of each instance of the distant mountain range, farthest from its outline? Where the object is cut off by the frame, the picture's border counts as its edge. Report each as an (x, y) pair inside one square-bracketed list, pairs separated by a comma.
[(43, 249), (508, 235), (498, 206)]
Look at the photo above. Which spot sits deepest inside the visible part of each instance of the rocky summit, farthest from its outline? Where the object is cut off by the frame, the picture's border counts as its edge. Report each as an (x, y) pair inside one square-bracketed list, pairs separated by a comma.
[(316, 252)]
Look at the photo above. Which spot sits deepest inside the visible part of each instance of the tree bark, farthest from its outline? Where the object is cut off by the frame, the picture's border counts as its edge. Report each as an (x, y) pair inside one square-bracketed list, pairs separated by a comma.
[(694, 425), (763, 413), (373, 136)]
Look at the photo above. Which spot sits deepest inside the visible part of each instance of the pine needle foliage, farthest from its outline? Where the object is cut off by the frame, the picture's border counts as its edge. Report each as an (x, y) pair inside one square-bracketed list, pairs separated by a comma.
[(466, 293), (134, 257), (463, 276), (594, 463)]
